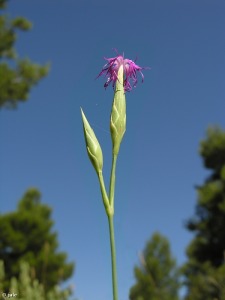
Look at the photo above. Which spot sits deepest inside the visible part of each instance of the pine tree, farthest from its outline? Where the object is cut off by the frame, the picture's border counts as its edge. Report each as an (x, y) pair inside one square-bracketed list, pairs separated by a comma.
[(17, 76), (25, 288), (157, 276), (205, 270), (26, 236)]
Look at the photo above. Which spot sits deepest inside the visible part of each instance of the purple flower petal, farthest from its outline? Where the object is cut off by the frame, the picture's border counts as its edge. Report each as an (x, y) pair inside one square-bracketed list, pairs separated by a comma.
[(110, 71)]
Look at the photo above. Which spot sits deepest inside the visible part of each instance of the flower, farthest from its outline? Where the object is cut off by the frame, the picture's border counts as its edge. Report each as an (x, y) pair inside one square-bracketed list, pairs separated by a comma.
[(110, 70)]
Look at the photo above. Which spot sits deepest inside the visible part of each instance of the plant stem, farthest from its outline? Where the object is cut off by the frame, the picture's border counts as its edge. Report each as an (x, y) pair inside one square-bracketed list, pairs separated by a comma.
[(113, 257), (112, 181), (104, 194)]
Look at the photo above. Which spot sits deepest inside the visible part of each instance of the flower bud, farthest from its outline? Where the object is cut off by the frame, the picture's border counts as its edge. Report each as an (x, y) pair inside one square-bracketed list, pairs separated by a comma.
[(93, 147), (118, 113)]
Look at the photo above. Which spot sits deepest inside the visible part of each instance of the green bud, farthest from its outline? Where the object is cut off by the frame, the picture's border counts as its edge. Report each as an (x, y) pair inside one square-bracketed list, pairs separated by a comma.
[(93, 147), (118, 113)]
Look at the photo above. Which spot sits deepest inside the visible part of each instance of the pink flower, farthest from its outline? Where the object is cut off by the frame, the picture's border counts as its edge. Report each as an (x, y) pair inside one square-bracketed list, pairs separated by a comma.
[(110, 71)]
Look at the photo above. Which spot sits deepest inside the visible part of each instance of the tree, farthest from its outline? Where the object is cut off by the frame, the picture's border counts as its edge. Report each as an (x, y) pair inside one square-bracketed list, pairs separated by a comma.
[(205, 271), (26, 236), (17, 76), (24, 288), (157, 276)]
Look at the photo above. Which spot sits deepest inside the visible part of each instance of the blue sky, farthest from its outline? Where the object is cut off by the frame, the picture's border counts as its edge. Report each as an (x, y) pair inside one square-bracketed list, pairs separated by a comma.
[(42, 142)]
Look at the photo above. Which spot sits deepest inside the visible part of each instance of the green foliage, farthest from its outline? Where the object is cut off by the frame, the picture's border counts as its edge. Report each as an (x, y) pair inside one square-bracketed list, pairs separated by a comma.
[(26, 236), (157, 276), (17, 76), (206, 250), (207, 283), (212, 149), (3, 3), (26, 288)]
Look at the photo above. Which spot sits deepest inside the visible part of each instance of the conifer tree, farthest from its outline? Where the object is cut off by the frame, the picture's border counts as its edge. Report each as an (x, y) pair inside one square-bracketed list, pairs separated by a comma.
[(26, 235), (157, 276), (205, 269), (17, 76), (26, 288)]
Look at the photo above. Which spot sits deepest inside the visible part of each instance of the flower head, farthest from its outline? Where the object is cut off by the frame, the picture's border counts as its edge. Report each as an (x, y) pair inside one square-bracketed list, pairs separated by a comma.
[(110, 70)]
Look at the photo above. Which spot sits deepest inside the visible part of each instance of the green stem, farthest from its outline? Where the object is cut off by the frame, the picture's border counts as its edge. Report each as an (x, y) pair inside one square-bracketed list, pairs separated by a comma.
[(113, 257), (104, 194), (112, 181), (109, 207)]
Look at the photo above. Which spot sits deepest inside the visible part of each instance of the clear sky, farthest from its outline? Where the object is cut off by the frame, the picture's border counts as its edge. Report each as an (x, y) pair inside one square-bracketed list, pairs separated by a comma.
[(42, 143)]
